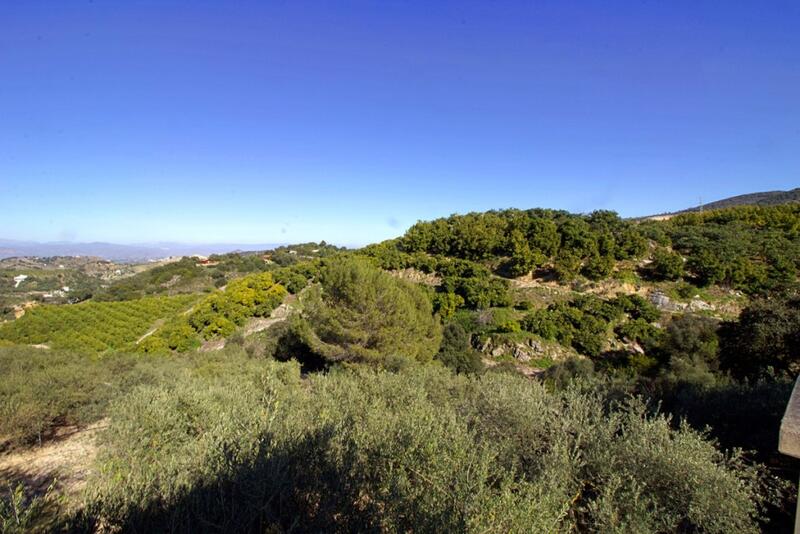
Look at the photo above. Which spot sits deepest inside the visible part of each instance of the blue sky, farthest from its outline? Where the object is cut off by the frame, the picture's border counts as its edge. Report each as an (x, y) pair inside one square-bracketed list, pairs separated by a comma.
[(348, 121)]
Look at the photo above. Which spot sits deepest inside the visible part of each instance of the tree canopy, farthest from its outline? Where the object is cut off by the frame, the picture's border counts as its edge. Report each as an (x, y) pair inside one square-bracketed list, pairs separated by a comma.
[(359, 313)]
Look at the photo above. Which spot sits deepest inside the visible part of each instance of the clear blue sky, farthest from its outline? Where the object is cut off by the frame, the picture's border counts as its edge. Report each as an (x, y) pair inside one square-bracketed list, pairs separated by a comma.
[(348, 121)]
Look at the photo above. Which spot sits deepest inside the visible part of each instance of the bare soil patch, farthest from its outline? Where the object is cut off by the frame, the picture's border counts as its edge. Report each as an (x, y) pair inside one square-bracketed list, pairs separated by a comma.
[(68, 458)]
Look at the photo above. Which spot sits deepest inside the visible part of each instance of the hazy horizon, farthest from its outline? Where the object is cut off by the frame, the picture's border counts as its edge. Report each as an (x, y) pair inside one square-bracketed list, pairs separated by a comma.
[(267, 243)]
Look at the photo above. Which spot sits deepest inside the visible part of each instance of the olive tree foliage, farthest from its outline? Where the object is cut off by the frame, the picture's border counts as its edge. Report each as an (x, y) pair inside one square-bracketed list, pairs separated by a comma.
[(359, 313), (421, 450)]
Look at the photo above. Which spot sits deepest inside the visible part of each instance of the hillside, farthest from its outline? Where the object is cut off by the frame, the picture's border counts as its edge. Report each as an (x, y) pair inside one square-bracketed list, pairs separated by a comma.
[(765, 198), (278, 389)]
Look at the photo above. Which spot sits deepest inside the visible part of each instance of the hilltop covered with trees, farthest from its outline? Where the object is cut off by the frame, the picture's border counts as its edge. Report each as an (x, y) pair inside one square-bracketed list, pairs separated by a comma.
[(749, 248)]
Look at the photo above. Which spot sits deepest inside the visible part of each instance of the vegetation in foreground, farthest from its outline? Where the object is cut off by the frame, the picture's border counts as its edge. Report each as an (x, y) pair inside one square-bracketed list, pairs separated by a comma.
[(246, 444)]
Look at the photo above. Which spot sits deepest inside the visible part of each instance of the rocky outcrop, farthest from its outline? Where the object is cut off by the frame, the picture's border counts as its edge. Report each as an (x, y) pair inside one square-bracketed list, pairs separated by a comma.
[(698, 304), (521, 351), (664, 303), (418, 277)]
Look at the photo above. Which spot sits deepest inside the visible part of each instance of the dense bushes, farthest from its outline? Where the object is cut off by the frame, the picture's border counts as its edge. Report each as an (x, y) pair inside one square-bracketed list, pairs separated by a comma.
[(420, 450), (753, 249), (584, 323), (360, 313), (218, 315), (528, 238), (766, 336), (455, 351), (464, 283), (41, 390)]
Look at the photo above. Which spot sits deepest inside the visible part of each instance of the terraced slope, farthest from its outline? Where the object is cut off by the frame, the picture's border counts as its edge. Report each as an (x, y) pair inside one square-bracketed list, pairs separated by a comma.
[(93, 326)]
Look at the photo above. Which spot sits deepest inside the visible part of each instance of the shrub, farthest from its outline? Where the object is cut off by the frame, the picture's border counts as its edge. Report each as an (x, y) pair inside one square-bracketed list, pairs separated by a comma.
[(455, 351), (524, 305), (638, 307), (666, 265), (640, 331), (446, 304), (421, 450), (22, 510), (509, 327), (562, 374), (766, 335), (691, 339), (549, 325)]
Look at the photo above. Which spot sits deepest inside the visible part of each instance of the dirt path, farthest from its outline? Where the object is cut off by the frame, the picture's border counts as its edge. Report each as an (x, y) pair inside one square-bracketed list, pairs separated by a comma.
[(158, 324), (67, 458), (256, 324)]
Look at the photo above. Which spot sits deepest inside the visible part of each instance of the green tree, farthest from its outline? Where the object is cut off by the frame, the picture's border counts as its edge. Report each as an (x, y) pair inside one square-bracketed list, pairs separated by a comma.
[(598, 267), (567, 266), (666, 265), (767, 335), (542, 234), (456, 352), (359, 313), (707, 267), (523, 259)]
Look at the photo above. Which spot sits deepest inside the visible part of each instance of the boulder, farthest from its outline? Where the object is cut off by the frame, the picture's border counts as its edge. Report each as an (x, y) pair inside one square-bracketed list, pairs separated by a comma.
[(521, 354), (660, 300), (664, 303), (698, 304), (535, 345)]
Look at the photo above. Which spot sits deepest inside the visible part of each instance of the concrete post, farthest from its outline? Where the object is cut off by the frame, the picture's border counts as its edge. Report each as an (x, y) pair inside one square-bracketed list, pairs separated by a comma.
[(789, 440)]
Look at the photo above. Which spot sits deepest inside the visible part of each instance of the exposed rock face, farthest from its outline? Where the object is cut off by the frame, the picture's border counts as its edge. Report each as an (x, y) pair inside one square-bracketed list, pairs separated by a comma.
[(417, 276), (535, 345), (523, 352), (697, 304), (663, 302)]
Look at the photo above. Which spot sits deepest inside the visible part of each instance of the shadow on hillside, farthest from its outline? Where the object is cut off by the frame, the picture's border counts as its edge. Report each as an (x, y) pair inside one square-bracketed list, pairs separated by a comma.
[(294, 490), (35, 483)]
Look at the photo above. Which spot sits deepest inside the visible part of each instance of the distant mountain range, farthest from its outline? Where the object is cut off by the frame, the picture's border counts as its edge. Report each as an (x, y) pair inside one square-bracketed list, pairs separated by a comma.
[(121, 253), (765, 198)]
